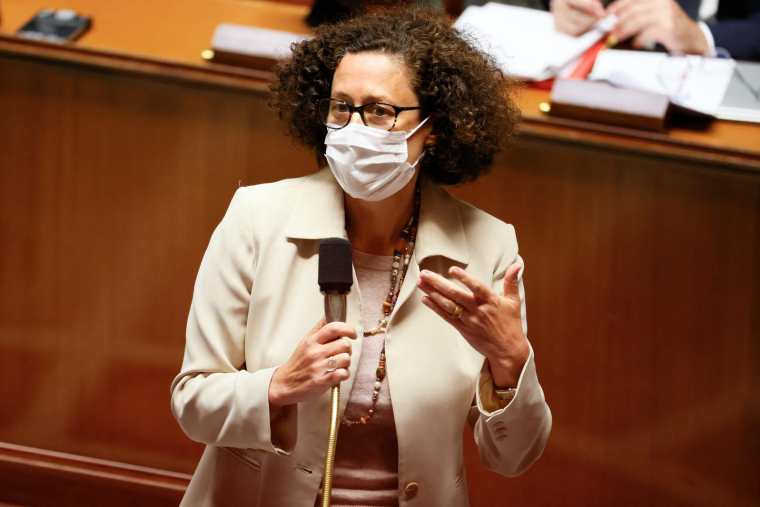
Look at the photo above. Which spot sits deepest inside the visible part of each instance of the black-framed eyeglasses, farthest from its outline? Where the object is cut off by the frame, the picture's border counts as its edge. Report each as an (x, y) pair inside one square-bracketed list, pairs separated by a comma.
[(336, 114)]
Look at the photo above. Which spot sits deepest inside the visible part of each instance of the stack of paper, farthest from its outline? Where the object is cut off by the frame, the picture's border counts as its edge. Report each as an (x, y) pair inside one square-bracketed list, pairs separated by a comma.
[(692, 82), (253, 41), (524, 41)]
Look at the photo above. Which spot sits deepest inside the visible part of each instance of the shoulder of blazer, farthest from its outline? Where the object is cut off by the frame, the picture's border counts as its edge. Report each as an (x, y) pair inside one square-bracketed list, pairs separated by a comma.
[(270, 204), (486, 232), (271, 194)]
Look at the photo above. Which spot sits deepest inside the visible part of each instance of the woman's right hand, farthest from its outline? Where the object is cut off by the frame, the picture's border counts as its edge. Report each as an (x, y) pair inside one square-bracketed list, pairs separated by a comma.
[(304, 375), (575, 17)]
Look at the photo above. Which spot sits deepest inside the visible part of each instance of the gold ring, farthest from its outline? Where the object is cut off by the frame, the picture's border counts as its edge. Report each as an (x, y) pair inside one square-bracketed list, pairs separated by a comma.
[(458, 311)]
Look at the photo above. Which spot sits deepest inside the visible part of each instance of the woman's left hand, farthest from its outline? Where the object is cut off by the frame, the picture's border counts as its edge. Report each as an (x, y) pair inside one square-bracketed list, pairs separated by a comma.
[(492, 324)]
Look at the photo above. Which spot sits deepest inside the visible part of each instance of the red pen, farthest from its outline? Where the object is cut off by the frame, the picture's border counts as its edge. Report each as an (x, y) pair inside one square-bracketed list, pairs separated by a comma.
[(588, 59)]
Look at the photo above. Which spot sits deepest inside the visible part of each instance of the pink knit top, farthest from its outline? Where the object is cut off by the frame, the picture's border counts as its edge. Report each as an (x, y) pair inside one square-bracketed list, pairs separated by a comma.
[(366, 458)]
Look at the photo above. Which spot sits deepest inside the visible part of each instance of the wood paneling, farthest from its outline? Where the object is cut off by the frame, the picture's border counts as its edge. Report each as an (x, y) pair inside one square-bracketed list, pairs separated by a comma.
[(642, 274), (111, 188), (643, 299)]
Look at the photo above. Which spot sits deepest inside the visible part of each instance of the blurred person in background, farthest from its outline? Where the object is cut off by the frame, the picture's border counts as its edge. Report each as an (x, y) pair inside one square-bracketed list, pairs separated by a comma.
[(697, 27)]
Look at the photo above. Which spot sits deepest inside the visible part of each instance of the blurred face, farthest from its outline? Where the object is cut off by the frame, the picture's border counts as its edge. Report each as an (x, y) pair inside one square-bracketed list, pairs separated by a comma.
[(363, 78)]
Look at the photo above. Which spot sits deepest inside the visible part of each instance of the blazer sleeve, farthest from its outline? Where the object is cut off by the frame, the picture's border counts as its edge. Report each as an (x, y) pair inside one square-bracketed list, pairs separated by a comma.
[(740, 37), (512, 438), (214, 399)]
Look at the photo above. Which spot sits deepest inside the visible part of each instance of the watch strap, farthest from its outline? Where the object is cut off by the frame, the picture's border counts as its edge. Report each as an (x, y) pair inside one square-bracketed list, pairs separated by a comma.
[(506, 394)]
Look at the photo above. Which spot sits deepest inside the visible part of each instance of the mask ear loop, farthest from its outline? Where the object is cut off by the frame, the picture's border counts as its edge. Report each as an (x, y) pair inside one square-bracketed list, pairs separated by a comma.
[(411, 134), (415, 129), (418, 159)]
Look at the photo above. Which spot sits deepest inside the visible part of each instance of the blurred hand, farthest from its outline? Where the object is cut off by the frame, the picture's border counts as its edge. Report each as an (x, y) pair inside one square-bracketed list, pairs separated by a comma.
[(304, 375), (663, 21), (575, 17)]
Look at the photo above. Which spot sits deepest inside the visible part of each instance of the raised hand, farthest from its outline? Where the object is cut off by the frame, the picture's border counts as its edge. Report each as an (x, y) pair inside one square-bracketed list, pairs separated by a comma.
[(491, 323)]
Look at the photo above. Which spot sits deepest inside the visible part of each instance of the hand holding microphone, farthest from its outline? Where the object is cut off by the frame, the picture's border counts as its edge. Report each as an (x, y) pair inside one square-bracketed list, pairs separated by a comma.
[(322, 359), (323, 356), (304, 375)]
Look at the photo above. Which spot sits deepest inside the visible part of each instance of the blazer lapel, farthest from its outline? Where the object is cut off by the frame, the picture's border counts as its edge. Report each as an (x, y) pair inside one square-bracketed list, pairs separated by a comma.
[(440, 232)]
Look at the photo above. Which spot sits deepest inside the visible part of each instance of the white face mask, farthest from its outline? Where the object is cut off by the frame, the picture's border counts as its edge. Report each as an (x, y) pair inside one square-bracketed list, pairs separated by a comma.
[(370, 164)]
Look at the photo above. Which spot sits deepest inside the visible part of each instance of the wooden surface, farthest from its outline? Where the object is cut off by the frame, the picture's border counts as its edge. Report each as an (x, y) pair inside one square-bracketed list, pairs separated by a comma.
[(168, 37), (169, 30), (642, 271), (172, 35), (41, 478)]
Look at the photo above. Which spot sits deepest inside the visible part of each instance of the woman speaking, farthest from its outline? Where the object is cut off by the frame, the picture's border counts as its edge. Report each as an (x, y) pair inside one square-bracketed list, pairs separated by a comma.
[(395, 104)]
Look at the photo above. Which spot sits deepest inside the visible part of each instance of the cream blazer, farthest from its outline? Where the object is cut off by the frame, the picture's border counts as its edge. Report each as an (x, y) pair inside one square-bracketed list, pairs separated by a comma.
[(256, 296)]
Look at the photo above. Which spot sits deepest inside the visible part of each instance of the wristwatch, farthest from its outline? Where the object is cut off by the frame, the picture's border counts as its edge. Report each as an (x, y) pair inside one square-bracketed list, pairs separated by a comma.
[(505, 394)]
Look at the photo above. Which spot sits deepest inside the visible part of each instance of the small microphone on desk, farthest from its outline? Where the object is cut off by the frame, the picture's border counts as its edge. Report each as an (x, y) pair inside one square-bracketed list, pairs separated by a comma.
[(335, 279)]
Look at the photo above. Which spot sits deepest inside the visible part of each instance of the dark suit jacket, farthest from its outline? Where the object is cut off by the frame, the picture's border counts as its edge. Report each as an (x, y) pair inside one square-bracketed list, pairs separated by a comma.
[(736, 29)]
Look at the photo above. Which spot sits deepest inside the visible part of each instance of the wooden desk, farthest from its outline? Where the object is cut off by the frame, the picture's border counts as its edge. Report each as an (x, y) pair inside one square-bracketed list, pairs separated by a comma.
[(168, 31), (165, 38), (120, 154)]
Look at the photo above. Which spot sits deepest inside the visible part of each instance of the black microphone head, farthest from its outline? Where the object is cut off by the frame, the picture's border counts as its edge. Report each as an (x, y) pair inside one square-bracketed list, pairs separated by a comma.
[(335, 274)]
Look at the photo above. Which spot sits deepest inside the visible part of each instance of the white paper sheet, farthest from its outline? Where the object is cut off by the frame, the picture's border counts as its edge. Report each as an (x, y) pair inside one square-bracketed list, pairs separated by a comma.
[(693, 82), (524, 41), (252, 40)]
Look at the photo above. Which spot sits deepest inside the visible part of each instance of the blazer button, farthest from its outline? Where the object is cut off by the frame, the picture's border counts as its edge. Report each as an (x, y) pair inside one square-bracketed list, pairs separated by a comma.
[(411, 489)]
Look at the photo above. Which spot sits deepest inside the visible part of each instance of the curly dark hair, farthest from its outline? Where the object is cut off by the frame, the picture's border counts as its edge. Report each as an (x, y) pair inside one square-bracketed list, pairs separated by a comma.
[(463, 89)]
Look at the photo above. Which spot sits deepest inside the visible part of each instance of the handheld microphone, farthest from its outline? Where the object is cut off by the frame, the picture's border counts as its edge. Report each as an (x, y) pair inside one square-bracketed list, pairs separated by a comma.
[(335, 279)]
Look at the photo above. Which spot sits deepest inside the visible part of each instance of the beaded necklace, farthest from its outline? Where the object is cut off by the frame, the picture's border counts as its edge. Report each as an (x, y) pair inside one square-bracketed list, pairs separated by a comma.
[(401, 259)]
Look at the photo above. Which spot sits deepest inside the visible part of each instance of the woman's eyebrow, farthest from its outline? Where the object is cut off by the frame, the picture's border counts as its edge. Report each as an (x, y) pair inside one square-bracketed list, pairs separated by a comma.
[(367, 100)]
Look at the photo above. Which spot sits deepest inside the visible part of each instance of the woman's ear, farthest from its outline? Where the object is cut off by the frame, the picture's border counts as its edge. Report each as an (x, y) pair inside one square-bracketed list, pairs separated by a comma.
[(428, 146), (430, 140)]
